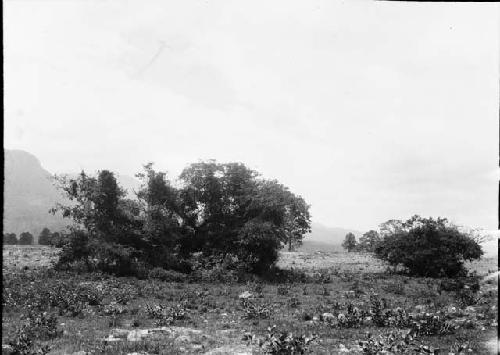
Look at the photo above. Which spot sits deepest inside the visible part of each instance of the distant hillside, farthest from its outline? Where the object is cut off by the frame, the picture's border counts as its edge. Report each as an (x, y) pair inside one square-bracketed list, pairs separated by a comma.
[(29, 194), (329, 235)]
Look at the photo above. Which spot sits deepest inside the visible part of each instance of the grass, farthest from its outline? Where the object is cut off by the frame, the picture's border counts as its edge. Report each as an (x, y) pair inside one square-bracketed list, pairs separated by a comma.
[(216, 318)]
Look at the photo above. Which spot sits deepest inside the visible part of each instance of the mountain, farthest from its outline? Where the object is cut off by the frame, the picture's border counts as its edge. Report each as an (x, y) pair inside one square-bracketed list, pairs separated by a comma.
[(329, 235), (29, 193)]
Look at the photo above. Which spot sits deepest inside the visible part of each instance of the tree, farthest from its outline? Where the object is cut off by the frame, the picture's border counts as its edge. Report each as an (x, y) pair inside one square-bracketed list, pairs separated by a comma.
[(369, 241), (9, 239), (349, 242), (26, 238), (160, 207), (429, 247), (45, 237), (57, 240), (227, 207), (106, 234)]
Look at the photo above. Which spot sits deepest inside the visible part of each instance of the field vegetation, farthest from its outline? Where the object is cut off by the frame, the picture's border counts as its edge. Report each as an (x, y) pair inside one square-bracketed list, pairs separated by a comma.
[(200, 267)]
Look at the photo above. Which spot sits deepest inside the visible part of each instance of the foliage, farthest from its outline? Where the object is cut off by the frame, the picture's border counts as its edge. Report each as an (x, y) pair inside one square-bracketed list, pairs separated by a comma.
[(26, 238), (349, 242), (45, 237), (283, 343), (36, 326), (166, 315), (255, 311), (368, 241), (218, 210), (428, 247), (9, 239)]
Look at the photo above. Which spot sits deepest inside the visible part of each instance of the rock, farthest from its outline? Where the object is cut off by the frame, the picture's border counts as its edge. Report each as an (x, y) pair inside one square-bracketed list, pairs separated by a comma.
[(182, 339), (119, 333), (327, 317), (470, 309), (112, 339), (137, 335), (343, 349), (420, 308), (245, 295)]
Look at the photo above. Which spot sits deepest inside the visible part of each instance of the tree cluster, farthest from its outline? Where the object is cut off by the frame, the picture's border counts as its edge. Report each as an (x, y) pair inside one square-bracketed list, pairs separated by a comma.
[(219, 210), (25, 238)]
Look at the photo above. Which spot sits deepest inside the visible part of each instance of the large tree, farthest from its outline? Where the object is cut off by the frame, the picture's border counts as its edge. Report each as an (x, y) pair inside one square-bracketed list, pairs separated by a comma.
[(369, 241), (45, 237), (26, 238), (349, 242)]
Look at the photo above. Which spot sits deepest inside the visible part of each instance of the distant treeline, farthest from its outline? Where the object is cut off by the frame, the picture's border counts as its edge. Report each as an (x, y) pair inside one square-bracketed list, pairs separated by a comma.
[(46, 237)]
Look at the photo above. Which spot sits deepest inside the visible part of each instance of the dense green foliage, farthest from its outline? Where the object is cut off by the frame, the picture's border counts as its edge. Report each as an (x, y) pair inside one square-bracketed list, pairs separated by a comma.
[(349, 242), (219, 210), (45, 237), (9, 239), (368, 241), (26, 238), (428, 247)]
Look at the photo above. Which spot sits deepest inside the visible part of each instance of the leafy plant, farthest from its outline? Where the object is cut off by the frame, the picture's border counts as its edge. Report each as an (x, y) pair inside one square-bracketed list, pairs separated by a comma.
[(285, 343)]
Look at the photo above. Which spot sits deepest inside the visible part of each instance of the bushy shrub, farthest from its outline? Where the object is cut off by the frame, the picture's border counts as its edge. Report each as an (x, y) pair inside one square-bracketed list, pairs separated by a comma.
[(256, 311), (430, 248), (165, 315), (282, 343), (36, 326)]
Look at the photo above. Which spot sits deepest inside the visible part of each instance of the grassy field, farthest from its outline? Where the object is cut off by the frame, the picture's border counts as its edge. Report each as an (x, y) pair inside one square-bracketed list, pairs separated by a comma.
[(341, 298)]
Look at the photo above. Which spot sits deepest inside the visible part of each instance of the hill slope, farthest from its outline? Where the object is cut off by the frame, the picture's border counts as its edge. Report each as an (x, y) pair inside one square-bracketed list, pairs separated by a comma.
[(29, 193)]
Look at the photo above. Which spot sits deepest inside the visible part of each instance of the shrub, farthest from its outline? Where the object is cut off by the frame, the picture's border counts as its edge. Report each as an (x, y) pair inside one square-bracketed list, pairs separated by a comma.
[(166, 315), (255, 311), (429, 248), (36, 326), (285, 343)]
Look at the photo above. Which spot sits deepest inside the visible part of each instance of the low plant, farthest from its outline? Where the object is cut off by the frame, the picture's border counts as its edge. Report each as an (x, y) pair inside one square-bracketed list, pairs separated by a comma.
[(284, 343)]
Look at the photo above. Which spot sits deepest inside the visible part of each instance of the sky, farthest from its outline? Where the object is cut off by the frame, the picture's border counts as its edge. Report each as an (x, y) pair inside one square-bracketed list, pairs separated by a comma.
[(369, 110)]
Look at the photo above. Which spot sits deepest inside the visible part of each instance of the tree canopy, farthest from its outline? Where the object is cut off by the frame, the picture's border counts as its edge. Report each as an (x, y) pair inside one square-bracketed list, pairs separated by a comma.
[(216, 209)]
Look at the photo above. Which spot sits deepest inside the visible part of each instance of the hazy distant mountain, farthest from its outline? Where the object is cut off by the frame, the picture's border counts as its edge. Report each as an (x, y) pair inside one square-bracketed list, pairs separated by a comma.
[(29, 194), (330, 235)]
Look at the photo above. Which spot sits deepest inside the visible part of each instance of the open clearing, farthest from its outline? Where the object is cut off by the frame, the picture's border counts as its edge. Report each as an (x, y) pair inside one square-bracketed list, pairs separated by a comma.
[(126, 315)]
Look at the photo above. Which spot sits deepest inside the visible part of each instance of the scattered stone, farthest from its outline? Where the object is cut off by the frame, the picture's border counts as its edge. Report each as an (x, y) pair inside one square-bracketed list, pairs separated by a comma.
[(245, 295), (328, 317), (137, 335), (343, 349), (182, 339), (119, 333), (420, 308)]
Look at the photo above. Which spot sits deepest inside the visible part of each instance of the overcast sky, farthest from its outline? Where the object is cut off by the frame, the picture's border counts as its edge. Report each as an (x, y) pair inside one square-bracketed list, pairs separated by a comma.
[(369, 110)]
